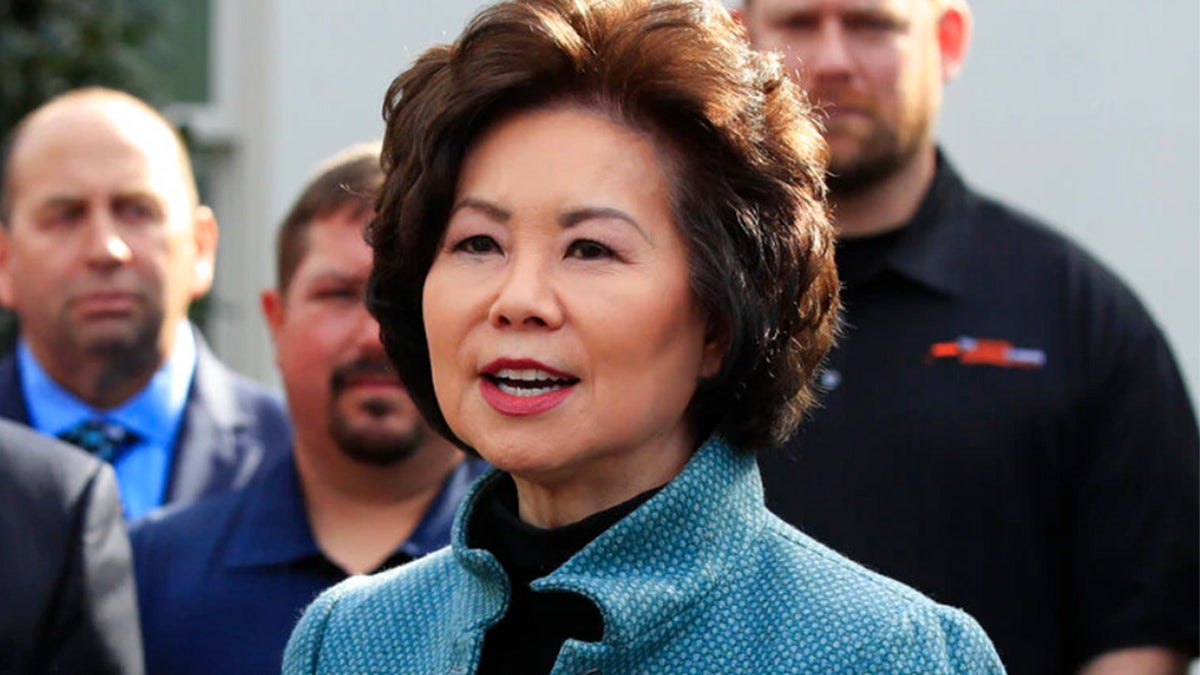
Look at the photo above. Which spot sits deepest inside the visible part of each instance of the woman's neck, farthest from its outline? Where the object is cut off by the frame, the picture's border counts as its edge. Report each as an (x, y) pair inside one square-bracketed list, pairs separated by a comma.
[(562, 500)]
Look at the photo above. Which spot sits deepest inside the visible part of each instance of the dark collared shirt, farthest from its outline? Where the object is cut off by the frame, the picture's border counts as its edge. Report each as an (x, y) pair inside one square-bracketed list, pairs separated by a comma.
[(221, 583), (1004, 428)]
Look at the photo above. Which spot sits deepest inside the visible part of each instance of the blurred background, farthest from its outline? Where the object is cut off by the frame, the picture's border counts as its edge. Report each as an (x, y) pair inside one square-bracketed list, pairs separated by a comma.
[(1084, 114)]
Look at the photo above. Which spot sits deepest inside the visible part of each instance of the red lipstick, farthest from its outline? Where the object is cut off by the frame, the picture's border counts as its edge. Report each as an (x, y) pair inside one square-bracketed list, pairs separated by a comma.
[(521, 387)]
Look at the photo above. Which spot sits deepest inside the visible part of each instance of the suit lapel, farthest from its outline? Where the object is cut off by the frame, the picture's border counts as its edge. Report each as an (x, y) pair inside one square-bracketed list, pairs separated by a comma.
[(211, 454), (12, 399)]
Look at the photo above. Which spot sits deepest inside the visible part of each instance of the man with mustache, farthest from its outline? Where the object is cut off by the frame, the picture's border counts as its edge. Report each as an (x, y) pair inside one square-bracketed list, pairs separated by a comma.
[(103, 246), (369, 486), (1004, 427)]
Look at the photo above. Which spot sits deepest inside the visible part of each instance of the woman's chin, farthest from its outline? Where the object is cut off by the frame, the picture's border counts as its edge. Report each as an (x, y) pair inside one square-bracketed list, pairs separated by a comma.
[(519, 448), (529, 466)]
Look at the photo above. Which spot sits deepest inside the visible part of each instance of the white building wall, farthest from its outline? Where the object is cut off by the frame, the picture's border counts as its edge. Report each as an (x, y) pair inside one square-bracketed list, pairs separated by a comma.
[(240, 126), (297, 80), (1087, 114)]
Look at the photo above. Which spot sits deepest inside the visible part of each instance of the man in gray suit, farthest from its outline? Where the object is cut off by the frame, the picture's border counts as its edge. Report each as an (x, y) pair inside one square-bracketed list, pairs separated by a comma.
[(103, 246), (66, 588)]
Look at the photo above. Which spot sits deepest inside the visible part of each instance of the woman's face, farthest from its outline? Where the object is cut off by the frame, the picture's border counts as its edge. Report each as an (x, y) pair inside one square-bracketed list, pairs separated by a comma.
[(564, 338)]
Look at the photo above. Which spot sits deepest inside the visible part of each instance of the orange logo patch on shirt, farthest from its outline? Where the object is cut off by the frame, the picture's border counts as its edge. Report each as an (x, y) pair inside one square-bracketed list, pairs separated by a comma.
[(971, 351)]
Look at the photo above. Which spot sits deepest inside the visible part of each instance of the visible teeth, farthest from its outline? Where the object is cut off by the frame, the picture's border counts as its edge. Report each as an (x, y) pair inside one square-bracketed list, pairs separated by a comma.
[(525, 375), (525, 391), (529, 382)]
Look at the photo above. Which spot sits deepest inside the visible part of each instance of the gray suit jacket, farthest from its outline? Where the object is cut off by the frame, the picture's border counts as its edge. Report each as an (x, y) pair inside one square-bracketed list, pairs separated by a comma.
[(67, 603)]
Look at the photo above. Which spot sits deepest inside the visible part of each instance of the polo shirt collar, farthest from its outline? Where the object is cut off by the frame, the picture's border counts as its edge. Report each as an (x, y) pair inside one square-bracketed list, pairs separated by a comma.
[(930, 250), (274, 528), (153, 414)]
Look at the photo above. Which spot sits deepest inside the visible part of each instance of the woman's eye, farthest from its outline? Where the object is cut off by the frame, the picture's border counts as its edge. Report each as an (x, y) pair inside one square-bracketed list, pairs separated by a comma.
[(477, 244), (587, 249)]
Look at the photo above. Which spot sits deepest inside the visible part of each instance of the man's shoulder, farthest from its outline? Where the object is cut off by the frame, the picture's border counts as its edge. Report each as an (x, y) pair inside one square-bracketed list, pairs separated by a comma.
[(57, 491), (1008, 226), (34, 464), (236, 400), (1004, 228), (1032, 254), (195, 525), (179, 544), (264, 403), (214, 374)]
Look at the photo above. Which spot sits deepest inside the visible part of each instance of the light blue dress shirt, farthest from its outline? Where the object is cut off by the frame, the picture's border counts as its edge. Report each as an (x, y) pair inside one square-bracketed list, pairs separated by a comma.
[(154, 414)]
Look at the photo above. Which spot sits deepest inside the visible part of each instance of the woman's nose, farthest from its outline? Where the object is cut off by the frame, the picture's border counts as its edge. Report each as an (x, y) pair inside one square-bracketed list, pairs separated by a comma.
[(526, 297)]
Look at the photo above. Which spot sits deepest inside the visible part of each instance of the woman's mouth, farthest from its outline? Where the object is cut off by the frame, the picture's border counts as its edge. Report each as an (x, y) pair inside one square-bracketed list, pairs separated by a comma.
[(528, 382), (524, 387)]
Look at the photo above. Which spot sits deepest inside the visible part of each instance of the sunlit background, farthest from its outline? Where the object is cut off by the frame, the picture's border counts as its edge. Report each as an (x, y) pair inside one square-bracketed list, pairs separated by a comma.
[(1086, 114)]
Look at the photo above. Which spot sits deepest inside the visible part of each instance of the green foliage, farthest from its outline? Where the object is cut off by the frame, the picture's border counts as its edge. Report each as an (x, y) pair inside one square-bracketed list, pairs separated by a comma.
[(48, 47)]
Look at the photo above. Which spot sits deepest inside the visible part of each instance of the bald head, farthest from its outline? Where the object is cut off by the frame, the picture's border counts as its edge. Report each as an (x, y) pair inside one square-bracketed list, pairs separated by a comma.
[(80, 111), (103, 244)]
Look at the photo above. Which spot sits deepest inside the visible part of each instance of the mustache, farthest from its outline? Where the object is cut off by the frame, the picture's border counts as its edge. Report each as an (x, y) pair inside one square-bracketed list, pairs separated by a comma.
[(361, 368)]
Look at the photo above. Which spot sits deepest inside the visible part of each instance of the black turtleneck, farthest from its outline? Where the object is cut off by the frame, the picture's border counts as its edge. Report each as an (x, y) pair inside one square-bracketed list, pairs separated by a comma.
[(528, 637)]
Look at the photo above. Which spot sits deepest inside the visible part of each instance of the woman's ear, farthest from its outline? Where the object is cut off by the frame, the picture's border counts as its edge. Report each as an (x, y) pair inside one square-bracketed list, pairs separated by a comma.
[(716, 344)]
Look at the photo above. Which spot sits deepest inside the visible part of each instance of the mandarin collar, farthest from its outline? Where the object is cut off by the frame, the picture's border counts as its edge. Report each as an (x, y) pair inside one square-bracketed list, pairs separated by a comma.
[(653, 564)]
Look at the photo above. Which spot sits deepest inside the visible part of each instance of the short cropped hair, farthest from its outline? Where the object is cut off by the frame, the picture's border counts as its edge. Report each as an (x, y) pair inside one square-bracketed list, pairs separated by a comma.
[(745, 160), (84, 95), (348, 181)]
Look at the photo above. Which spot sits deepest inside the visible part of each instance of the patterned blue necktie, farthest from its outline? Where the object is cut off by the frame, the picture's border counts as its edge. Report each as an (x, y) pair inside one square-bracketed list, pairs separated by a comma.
[(104, 439)]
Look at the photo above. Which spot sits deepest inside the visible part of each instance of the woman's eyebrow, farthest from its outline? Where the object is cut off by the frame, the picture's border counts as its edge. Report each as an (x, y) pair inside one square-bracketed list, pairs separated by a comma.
[(572, 218), (485, 207)]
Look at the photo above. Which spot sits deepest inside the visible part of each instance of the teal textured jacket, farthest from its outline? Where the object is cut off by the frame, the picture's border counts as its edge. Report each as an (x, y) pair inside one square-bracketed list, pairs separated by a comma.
[(699, 579)]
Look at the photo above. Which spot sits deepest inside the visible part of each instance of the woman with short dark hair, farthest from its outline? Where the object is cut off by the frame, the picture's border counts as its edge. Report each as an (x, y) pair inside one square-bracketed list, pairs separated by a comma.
[(603, 262)]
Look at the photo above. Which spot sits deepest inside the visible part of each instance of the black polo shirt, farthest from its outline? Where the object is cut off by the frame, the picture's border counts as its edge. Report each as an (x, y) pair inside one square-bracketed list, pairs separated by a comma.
[(1005, 429)]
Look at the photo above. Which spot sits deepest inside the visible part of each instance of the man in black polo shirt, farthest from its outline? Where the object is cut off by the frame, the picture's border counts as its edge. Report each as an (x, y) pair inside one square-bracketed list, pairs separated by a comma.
[(1004, 426)]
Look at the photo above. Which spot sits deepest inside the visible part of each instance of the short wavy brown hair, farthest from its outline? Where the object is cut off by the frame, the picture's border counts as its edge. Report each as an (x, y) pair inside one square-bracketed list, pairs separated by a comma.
[(746, 163)]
